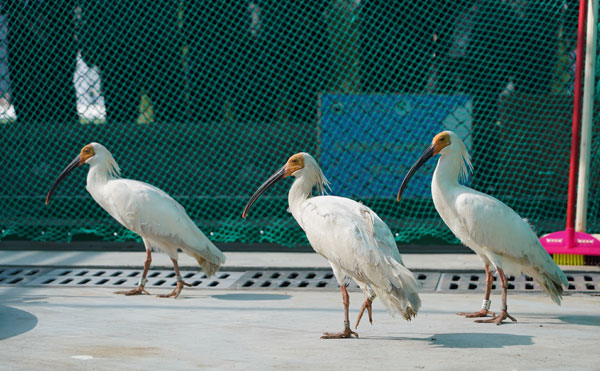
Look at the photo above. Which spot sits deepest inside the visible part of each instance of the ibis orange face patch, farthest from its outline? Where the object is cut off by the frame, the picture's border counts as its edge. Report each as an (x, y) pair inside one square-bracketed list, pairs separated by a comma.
[(440, 141), (86, 153), (295, 163)]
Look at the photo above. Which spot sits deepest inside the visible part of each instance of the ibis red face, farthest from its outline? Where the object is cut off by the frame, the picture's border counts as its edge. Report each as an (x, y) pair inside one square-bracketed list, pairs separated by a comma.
[(295, 163), (440, 141), (86, 153)]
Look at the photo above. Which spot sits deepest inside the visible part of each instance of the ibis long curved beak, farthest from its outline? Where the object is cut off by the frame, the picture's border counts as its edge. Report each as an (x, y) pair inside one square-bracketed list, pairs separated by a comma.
[(424, 157), (63, 174), (280, 174)]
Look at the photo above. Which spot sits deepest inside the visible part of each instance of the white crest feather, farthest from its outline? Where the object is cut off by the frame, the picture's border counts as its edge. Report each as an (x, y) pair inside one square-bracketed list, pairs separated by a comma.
[(106, 158), (321, 181), (113, 168), (466, 167)]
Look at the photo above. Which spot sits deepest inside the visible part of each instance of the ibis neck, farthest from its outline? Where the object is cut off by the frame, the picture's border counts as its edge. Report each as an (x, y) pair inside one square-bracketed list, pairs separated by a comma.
[(299, 192), (98, 175), (447, 170)]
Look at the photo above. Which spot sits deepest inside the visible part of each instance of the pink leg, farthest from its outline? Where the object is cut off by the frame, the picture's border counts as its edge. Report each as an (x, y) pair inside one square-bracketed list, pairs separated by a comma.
[(347, 333), (503, 313), (180, 283), (366, 305), (488, 289), (140, 289)]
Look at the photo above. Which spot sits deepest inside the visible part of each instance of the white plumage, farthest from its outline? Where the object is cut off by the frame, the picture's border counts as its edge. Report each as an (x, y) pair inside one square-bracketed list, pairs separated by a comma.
[(355, 241), (358, 244), (146, 210), (502, 239)]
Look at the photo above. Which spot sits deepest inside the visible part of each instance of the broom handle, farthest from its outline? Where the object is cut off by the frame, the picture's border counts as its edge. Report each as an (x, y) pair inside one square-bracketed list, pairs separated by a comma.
[(586, 117), (576, 126)]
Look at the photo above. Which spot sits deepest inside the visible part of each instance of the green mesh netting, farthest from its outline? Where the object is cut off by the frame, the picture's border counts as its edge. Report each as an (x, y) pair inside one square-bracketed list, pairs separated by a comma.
[(205, 99)]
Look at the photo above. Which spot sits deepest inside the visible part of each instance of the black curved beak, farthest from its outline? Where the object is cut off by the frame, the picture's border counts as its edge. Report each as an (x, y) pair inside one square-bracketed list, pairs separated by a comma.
[(280, 174), (63, 174), (424, 157)]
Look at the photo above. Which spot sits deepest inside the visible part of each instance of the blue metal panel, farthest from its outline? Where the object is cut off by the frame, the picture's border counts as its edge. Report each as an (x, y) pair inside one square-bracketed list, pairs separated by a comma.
[(368, 142)]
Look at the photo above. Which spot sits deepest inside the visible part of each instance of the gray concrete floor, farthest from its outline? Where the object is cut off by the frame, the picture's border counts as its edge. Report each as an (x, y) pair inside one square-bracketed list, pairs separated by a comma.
[(92, 328)]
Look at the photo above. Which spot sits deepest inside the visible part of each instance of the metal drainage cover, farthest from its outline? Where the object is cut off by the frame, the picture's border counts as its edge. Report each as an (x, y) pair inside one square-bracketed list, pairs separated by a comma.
[(267, 280), (311, 280), (467, 282), (78, 277)]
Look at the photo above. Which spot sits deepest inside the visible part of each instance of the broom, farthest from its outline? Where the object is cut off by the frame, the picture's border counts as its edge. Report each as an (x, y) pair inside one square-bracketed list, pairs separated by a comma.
[(571, 247)]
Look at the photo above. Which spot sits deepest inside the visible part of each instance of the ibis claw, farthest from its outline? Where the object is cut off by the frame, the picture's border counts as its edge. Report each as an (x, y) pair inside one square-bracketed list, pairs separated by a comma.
[(481, 313), (137, 291), (346, 334), (498, 319), (175, 293)]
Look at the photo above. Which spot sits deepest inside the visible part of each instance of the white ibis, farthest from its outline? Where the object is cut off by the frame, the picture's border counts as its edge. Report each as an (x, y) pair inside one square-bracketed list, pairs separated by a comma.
[(503, 240), (355, 241), (146, 210)]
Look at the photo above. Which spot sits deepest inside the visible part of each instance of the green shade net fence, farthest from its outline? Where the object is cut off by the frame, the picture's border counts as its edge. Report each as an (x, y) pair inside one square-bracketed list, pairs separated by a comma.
[(205, 99)]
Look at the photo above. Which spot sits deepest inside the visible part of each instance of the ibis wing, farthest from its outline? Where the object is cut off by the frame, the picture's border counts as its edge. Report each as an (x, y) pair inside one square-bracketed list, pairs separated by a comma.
[(154, 214), (503, 234), (346, 231), (359, 244), (144, 208)]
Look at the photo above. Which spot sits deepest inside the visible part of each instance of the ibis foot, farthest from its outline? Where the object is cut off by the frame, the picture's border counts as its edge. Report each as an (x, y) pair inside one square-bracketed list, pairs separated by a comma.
[(347, 333), (481, 313), (498, 319), (175, 293), (137, 291)]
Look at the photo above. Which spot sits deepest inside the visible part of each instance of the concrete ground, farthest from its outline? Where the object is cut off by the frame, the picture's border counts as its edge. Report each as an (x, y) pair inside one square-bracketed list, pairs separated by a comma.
[(74, 329), (83, 328)]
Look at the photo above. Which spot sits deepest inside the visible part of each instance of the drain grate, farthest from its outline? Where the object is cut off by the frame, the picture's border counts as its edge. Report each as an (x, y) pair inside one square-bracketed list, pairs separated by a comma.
[(312, 279), (267, 280), (78, 277), (280, 279), (466, 282), (19, 276)]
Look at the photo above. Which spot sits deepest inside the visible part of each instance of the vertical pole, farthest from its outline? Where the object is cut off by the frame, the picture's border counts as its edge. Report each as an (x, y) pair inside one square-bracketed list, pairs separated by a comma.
[(576, 127), (587, 117)]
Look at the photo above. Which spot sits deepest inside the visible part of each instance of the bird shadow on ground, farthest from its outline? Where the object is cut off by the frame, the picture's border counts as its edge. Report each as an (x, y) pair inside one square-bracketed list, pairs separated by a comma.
[(25, 299), (565, 320), (479, 340), (581, 319), (466, 340), (252, 297), (15, 322)]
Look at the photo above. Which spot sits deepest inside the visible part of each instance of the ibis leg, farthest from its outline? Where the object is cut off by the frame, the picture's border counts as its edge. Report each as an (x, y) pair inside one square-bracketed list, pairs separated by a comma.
[(368, 306), (503, 313), (489, 279), (140, 289), (347, 333), (180, 283)]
